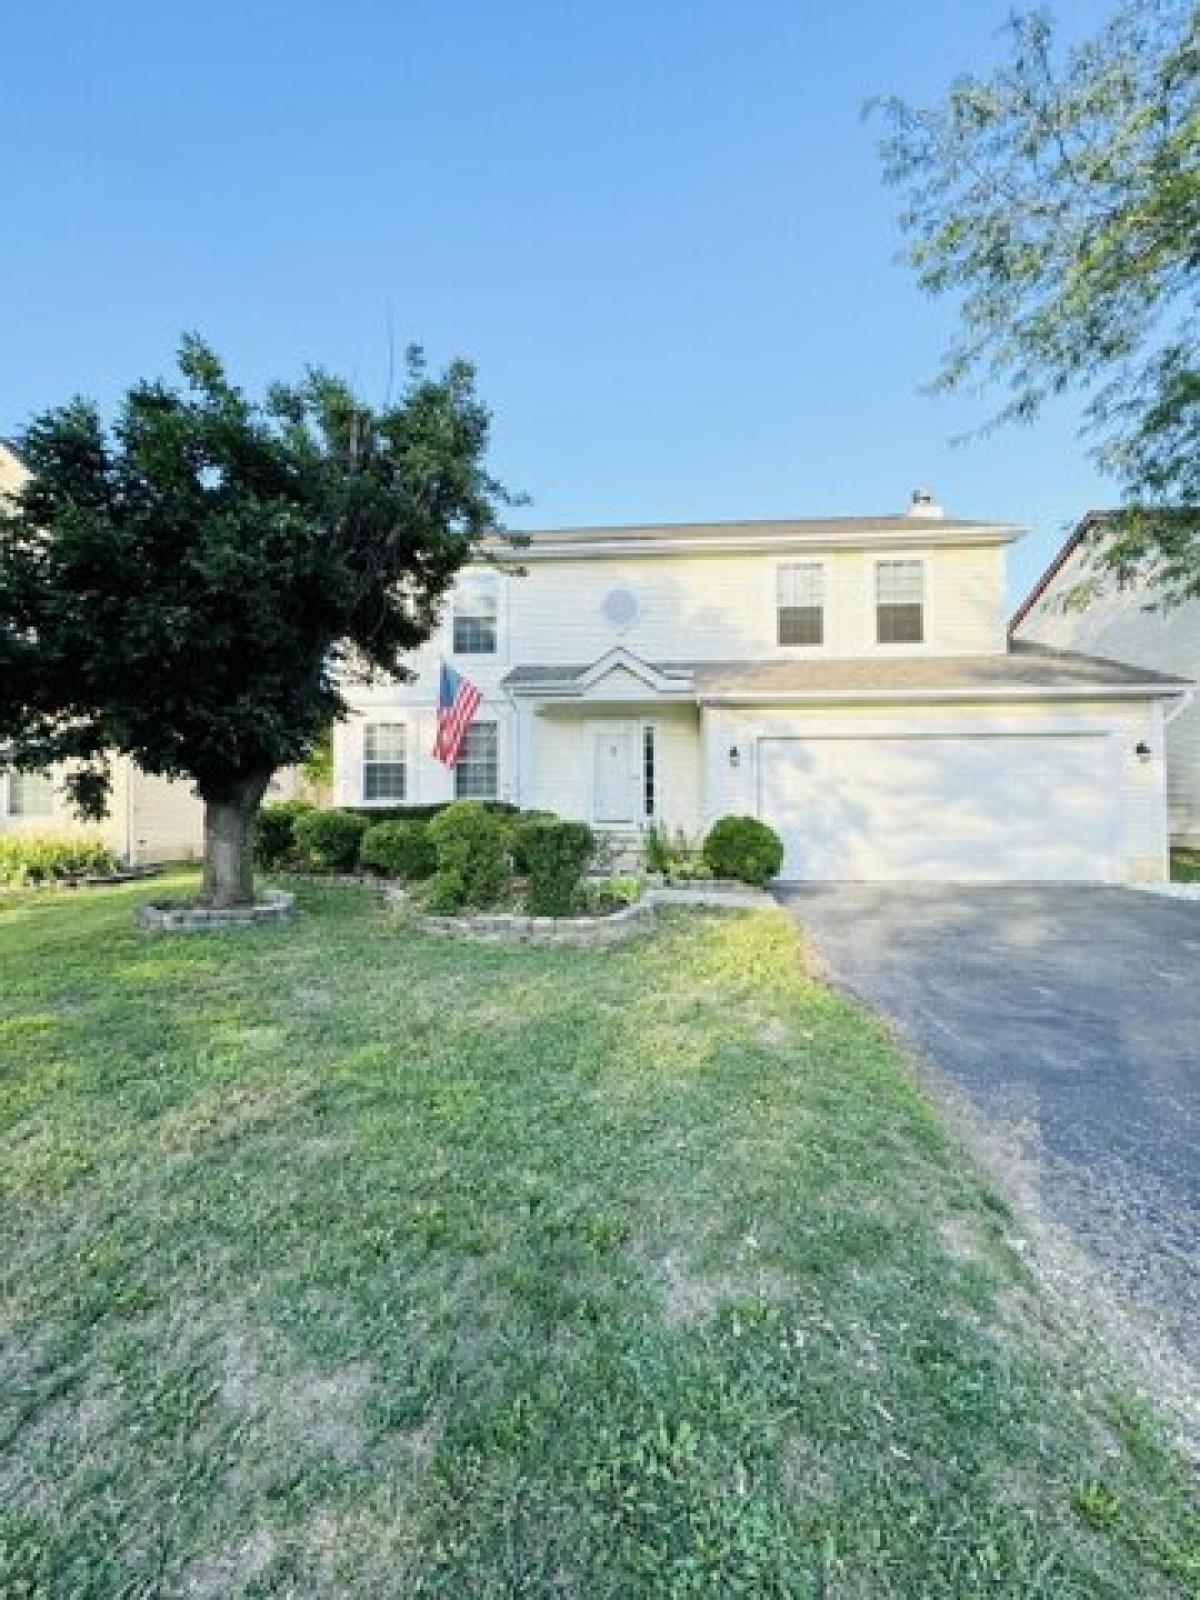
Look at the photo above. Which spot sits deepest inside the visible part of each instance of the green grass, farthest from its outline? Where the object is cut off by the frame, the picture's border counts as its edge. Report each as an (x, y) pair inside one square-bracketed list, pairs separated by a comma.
[(338, 1261), (1185, 866)]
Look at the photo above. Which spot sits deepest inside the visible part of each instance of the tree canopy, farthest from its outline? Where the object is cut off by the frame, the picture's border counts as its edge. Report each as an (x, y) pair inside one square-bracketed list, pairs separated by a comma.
[(1059, 200), (193, 585)]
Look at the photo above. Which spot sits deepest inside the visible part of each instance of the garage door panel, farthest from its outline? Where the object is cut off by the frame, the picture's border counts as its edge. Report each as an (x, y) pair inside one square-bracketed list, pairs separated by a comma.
[(962, 808)]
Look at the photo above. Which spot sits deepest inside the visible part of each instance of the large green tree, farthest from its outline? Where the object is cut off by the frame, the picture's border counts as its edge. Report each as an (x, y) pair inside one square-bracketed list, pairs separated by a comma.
[(192, 585), (1058, 199)]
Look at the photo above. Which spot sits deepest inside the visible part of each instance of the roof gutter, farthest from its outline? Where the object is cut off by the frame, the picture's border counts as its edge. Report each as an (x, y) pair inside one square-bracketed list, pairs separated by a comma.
[(1185, 700), (901, 538)]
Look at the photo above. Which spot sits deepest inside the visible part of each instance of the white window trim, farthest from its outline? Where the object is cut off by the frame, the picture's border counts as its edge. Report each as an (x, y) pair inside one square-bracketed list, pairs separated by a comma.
[(817, 565), (385, 802), (480, 582), (497, 791), (9, 814), (893, 559)]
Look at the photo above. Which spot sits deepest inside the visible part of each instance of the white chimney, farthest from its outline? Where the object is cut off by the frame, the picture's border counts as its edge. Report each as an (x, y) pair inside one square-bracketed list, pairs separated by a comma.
[(924, 505)]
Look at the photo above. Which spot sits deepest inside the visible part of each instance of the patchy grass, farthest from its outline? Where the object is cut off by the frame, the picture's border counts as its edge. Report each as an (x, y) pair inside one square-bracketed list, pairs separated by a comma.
[(336, 1261), (1185, 866)]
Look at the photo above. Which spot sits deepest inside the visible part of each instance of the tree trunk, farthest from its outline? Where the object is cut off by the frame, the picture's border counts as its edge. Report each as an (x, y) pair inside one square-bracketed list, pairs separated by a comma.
[(229, 819)]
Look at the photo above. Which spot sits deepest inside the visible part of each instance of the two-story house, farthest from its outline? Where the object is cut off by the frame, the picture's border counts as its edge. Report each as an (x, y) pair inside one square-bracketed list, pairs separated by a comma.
[(1077, 605), (848, 680)]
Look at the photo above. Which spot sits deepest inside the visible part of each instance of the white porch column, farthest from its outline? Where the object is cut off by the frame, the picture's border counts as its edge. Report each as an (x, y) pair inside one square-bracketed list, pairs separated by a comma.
[(525, 795)]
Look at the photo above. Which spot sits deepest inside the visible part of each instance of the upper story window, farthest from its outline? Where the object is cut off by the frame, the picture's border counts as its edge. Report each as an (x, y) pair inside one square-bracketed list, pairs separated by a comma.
[(800, 601), (475, 610), (900, 602), (385, 761), (30, 794), (476, 773)]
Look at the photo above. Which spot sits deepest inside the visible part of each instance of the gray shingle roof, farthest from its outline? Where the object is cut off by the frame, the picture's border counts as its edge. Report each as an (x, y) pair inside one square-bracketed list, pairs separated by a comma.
[(764, 528), (1025, 666)]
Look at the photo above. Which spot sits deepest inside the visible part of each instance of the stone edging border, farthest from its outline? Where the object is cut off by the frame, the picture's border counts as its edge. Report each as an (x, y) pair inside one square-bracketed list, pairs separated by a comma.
[(275, 906), (509, 927)]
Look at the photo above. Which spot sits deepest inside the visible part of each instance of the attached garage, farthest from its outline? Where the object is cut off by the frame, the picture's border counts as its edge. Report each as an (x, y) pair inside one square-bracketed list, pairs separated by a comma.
[(959, 808)]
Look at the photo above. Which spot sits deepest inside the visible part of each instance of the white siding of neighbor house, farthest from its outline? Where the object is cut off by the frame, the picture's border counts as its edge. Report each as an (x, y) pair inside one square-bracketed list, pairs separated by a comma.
[(1115, 623)]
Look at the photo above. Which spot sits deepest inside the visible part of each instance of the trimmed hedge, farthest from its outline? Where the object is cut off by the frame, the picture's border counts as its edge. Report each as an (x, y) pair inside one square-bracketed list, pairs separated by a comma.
[(275, 832), (472, 845), (399, 850), (520, 860), (743, 848), (42, 858), (426, 813), (328, 841), (556, 855)]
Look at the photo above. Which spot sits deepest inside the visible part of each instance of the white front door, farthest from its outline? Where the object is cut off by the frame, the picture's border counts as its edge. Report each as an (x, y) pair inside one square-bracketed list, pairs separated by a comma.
[(614, 780)]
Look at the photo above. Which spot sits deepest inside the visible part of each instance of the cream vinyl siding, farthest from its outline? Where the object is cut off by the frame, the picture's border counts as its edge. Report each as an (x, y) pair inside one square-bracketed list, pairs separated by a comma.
[(695, 606), (166, 820), (149, 819), (1117, 625)]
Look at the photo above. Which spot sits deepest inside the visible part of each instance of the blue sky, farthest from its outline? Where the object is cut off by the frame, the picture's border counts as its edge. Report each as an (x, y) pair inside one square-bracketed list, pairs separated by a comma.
[(657, 227)]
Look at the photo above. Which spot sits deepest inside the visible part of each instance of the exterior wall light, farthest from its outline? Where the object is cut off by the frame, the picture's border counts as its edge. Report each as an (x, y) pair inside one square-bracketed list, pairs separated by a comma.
[(1143, 751), (735, 757)]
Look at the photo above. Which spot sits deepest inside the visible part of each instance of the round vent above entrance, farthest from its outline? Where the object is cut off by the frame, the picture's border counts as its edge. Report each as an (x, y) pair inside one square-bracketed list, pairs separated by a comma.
[(621, 607)]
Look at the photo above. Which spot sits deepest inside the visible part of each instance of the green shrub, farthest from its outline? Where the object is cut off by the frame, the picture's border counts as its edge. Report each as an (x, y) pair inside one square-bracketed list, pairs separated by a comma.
[(516, 838), (274, 832), (42, 858), (445, 894), (328, 841), (743, 848), (557, 855), (472, 845), (398, 850)]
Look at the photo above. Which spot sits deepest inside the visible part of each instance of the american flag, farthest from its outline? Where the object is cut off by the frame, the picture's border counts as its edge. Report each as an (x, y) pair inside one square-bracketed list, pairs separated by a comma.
[(458, 701)]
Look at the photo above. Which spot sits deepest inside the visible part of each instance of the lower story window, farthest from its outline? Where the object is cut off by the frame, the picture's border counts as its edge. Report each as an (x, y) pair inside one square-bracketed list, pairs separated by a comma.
[(649, 771), (385, 765), (30, 794), (476, 771)]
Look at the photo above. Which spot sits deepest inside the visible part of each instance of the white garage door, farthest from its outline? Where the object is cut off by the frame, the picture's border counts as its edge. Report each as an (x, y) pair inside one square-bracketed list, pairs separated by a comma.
[(958, 809)]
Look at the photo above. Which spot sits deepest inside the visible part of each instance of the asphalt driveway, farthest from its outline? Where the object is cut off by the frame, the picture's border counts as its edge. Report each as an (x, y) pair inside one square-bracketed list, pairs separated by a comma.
[(1069, 1018)]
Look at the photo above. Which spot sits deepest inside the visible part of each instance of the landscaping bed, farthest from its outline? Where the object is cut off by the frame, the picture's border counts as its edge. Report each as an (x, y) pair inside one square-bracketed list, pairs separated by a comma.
[(341, 1261)]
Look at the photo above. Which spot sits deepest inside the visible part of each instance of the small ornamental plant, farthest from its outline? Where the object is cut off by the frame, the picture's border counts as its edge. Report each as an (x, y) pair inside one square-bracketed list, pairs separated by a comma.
[(328, 841), (43, 858), (743, 848)]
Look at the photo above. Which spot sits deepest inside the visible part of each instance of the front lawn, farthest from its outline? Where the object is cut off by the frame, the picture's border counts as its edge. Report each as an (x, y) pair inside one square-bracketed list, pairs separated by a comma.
[(1185, 866), (338, 1261)]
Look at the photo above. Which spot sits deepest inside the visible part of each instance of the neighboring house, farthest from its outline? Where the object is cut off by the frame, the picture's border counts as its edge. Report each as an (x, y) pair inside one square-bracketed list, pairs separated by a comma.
[(149, 818), (1077, 605), (848, 680)]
